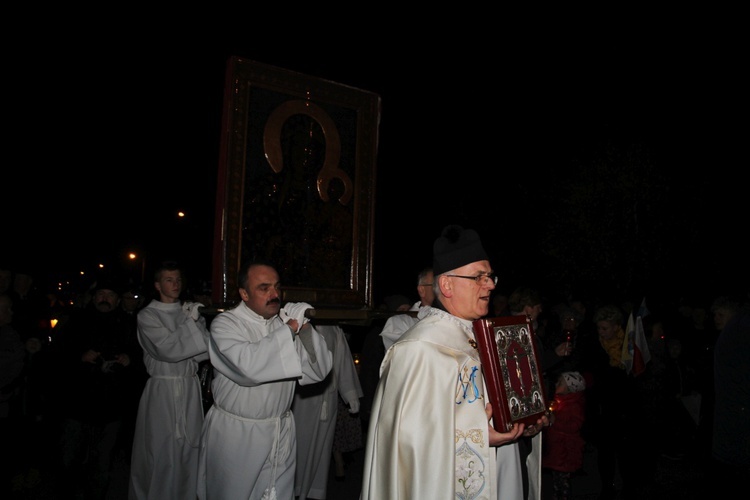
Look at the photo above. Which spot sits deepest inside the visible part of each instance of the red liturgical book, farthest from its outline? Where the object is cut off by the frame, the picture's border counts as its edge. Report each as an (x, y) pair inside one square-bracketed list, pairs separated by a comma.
[(508, 350)]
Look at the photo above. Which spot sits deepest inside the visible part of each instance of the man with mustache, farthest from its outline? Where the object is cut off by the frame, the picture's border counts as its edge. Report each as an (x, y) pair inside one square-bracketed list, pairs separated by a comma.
[(260, 352)]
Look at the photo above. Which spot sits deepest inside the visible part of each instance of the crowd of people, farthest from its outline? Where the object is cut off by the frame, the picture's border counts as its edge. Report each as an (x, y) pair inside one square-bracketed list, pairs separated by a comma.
[(115, 371)]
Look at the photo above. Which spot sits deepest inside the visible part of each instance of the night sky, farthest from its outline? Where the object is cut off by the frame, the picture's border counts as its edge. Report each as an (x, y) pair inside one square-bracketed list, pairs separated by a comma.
[(105, 150)]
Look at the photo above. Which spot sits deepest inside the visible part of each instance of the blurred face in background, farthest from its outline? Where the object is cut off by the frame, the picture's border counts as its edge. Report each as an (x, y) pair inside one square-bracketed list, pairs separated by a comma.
[(106, 300), (675, 348), (425, 291), (533, 313), (607, 330), (721, 316), (22, 283), (130, 301)]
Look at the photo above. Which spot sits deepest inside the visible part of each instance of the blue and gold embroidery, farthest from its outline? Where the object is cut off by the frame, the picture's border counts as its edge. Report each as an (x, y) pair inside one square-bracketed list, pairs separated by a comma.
[(468, 390), (470, 469)]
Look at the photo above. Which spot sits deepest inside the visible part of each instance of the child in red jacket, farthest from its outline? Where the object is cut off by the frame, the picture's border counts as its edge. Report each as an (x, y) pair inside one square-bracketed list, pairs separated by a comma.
[(563, 444)]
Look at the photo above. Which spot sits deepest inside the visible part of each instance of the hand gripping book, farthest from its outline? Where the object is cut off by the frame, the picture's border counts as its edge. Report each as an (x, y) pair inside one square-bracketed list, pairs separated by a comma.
[(510, 360)]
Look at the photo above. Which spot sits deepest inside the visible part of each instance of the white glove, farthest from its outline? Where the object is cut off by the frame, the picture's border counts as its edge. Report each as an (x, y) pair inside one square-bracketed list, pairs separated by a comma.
[(296, 311), (354, 406), (353, 400), (192, 309)]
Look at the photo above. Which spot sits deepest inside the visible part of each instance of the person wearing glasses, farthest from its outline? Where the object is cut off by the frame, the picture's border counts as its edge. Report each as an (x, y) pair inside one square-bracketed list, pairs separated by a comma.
[(430, 433), (395, 326)]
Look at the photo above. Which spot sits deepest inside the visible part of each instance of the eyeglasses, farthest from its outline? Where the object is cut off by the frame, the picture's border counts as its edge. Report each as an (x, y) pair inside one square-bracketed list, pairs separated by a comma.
[(481, 279)]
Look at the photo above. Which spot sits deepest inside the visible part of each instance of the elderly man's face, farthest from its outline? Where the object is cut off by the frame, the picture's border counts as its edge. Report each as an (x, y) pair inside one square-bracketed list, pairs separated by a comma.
[(465, 297)]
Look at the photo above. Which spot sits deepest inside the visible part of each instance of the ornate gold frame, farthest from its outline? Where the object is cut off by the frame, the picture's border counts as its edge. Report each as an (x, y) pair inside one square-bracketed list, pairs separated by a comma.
[(296, 185)]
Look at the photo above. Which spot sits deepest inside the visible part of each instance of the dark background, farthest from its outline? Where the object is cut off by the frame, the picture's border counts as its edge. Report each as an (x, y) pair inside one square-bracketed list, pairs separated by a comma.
[(613, 168)]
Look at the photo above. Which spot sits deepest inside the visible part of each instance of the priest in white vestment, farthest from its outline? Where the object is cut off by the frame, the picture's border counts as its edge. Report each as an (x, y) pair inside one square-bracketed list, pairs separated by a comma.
[(430, 433)]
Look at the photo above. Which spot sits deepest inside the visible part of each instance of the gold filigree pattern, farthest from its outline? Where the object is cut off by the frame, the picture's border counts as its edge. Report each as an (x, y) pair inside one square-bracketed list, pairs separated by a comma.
[(476, 436)]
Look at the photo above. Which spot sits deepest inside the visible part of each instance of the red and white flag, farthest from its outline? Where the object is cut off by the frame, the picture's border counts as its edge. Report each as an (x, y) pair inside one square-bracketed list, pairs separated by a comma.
[(635, 353)]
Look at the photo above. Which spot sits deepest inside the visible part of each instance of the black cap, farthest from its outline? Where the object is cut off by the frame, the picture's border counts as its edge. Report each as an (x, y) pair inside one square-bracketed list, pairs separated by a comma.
[(106, 282), (455, 248)]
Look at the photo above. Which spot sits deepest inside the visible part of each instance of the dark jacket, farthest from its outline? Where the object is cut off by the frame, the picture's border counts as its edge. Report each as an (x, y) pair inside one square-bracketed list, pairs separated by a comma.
[(95, 392)]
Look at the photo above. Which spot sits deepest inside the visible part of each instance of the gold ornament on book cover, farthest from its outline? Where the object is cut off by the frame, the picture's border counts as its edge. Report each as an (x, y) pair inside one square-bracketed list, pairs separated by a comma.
[(510, 361)]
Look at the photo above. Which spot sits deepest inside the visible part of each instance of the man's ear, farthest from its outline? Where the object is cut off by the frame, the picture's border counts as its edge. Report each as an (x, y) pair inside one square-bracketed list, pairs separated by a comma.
[(445, 286), (243, 294)]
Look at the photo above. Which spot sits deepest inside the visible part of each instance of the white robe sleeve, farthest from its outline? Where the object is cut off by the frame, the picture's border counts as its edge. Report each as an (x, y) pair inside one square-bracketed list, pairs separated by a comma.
[(394, 327), (250, 353), (172, 337)]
